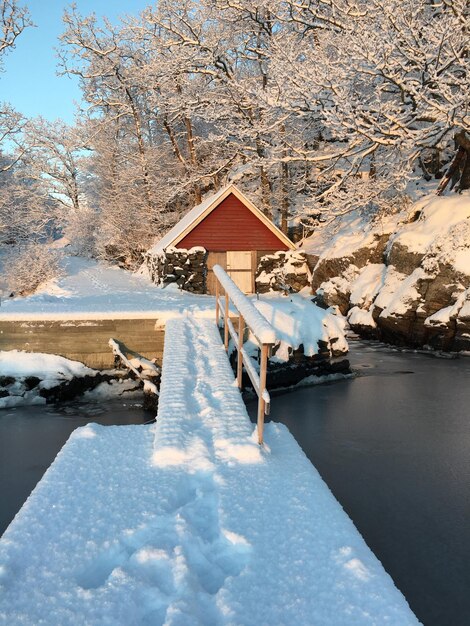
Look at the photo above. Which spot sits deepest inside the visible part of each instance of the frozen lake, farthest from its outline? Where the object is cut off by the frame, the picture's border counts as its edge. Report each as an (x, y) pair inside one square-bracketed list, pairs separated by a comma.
[(393, 444)]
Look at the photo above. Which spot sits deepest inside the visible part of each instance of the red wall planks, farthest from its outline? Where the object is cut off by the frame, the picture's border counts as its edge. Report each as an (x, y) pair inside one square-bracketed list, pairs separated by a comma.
[(232, 226)]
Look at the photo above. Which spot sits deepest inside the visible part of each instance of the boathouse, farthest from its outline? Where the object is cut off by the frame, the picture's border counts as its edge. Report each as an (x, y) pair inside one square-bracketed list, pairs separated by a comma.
[(234, 233)]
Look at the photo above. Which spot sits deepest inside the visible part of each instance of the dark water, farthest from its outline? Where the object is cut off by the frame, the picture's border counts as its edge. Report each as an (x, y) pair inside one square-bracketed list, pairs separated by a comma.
[(394, 447), (31, 437)]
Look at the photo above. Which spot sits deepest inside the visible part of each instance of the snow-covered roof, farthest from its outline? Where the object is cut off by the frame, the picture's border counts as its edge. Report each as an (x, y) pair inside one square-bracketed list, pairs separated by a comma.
[(199, 212)]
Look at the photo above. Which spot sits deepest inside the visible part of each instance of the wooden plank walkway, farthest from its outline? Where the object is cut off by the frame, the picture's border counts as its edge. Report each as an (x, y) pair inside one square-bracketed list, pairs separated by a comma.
[(200, 405)]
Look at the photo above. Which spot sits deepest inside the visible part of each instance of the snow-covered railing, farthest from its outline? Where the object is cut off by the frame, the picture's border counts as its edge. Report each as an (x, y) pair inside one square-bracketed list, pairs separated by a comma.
[(248, 315)]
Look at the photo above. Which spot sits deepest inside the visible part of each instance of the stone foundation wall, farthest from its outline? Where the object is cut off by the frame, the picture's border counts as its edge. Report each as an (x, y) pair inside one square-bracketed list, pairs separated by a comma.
[(283, 271), (84, 340), (185, 268)]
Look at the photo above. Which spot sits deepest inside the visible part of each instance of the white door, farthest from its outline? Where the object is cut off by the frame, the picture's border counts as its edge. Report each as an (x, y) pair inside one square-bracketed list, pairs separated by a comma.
[(239, 268)]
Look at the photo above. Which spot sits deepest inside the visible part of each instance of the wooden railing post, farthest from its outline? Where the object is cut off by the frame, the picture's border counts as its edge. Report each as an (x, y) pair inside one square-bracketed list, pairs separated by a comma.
[(241, 332), (262, 388), (226, 314), (217, 305), (264, 335)]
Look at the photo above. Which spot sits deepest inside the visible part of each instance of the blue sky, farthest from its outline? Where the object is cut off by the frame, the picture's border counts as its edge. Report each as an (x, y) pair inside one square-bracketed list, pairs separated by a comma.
[(30, 82)]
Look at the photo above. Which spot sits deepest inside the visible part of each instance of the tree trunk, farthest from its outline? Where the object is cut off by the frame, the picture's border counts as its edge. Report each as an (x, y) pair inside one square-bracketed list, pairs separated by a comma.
[(284, 203), (452, 170), (265, 193), (142, 153), (464, 144), (75, 194), (465, 175), (192, 157), (174, 143), (265, 186), (284, 197)]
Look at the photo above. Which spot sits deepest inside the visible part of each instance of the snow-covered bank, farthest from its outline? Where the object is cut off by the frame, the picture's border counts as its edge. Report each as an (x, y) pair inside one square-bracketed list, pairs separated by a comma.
[(301, 324), (405, 281), (28, 378), (50, 367), (190, 522), (311, 343)]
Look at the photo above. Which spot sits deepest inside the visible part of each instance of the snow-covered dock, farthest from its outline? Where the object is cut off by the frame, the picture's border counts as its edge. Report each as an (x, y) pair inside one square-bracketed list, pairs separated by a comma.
[(189, 521)]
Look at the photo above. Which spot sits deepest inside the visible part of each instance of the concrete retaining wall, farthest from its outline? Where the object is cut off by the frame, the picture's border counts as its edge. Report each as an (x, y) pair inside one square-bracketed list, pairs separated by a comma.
[(84, 340)]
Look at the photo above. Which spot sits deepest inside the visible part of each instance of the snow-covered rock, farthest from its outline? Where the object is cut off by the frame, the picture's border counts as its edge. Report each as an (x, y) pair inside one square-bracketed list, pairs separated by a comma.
[(28, 378), (301, 324), (415, 293), (32, 378), (311, 341)]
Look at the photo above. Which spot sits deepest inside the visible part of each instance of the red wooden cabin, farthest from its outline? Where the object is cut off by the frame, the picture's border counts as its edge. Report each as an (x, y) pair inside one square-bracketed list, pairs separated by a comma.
[(235, 233)]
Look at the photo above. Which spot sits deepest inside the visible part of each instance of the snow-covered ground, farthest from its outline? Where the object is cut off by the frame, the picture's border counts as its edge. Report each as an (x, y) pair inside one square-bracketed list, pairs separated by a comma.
[(25, 375), (343, 236), (49, 367), (416, 263), (190, 522), (93, 290), (442, 231), (90, 289)]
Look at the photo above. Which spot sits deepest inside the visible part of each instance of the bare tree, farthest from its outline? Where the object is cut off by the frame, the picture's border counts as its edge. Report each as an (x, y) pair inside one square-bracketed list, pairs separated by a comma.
[(100, 57), (54, 152), (313, 107), (27, 215), (14, 18)]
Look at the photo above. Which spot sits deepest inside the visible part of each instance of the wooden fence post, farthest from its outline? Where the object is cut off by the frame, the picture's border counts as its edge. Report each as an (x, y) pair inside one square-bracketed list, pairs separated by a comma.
[(241, 332), (226, 314), (217, 306), (262, 388)]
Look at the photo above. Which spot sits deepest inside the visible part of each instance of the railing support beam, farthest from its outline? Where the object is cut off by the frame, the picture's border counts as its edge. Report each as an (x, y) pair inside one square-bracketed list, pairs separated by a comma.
[(241, 332), (248, 316), (226, 316), (262, 386)]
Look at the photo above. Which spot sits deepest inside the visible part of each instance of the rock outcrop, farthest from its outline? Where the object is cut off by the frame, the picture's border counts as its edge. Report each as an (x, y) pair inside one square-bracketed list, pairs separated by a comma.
[(31, 390), (411, 288)]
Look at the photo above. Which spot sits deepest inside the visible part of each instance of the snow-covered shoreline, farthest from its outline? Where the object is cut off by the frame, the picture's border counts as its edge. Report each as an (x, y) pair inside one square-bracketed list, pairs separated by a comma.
[(90, 290), (32, 378), (90, 294)]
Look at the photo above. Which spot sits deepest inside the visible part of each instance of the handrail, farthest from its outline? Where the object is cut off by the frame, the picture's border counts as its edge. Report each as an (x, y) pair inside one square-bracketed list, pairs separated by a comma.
[(248, 316), (259, 325)]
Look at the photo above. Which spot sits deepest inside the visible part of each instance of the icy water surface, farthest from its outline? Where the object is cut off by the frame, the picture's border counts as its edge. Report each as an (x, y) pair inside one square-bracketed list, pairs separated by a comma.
[(393, 445), (31, 437)]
